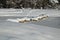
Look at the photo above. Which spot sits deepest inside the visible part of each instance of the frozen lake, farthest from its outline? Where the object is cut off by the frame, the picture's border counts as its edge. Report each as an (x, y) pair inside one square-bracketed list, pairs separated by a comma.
[(48, 29)]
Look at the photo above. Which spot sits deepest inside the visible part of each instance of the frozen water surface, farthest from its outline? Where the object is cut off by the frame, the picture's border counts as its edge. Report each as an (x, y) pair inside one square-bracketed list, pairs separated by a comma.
[(48, 29)]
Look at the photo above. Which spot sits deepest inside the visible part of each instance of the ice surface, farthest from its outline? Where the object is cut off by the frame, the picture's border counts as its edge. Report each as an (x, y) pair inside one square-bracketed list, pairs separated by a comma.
[(48, 29), (29, 31)]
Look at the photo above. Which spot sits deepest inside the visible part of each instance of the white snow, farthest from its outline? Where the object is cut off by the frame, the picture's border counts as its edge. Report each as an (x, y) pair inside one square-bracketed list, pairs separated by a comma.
[(29, 12), (56, 1), (12, 20)]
